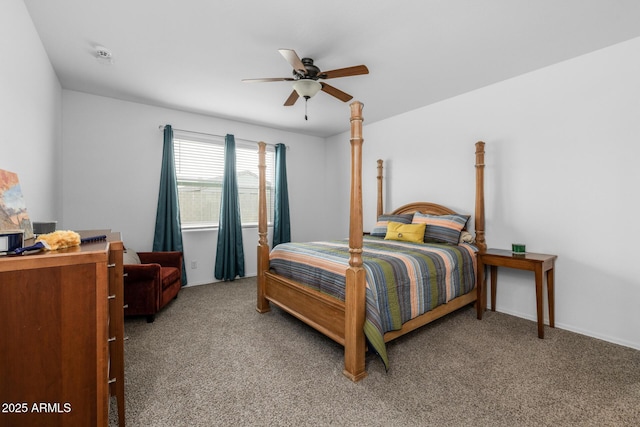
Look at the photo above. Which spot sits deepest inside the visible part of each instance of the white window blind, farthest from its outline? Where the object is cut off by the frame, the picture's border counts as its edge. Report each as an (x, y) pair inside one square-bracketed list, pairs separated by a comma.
[(199, 171)]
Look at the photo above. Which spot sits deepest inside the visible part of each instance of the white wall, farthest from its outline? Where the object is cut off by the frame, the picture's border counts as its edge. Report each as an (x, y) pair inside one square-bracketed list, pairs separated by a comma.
[(111, 171), (30, 105), (562, 149)]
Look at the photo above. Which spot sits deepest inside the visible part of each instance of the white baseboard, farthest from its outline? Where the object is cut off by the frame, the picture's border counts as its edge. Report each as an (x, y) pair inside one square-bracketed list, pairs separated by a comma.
[(189, 284), (572, 328)]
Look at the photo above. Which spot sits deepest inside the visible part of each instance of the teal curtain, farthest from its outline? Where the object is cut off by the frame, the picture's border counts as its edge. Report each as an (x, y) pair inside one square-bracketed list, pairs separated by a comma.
[(168, 233), (281, 222), (229, 254)]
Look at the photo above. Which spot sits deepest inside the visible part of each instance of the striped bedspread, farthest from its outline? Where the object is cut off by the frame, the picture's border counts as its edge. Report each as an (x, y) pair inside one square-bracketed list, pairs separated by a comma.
[(404, 280)]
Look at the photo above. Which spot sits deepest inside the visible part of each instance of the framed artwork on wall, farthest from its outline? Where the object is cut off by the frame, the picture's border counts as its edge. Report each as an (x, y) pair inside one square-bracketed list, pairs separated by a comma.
[(13, 209)]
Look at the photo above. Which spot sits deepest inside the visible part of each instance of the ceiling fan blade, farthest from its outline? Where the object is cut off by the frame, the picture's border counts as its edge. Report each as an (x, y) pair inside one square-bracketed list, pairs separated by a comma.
[(291, 99), (345, 72), (292, 58), (344, 97), (274, 79)]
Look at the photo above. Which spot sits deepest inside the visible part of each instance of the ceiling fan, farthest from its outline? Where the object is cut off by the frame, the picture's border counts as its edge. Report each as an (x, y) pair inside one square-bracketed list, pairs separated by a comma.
[(306, 76)]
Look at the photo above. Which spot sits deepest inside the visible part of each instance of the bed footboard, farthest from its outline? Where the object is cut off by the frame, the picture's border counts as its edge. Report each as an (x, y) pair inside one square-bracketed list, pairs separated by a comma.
[(318, 310)]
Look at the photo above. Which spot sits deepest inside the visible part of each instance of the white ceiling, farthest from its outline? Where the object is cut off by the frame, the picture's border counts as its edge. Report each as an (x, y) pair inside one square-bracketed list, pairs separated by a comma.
[(192, 54)]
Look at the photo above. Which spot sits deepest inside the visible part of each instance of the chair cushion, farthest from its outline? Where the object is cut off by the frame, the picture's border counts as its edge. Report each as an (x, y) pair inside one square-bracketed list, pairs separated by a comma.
[(169, 276)]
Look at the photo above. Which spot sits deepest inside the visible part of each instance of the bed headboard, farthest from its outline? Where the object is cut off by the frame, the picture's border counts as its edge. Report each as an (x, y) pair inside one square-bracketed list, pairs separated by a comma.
[(425, 208)]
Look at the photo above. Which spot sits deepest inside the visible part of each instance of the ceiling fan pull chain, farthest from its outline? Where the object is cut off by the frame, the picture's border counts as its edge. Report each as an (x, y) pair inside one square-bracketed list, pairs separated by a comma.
[(306, 101)]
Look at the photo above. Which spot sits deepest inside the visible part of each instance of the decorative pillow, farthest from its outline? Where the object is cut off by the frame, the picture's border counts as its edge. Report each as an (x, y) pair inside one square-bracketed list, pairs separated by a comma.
[(129, 256), (380, 229), (441, 228), (405, 232)]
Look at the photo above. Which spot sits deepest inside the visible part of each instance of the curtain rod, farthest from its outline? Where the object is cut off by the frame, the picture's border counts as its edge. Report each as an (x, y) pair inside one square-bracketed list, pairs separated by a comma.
[(161, 127)]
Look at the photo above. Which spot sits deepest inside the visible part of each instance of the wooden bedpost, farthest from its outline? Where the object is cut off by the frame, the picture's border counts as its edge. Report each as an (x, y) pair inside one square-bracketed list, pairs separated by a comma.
[(262, 305), (479, 225), (481, 282), (355, 291), (380, 209)]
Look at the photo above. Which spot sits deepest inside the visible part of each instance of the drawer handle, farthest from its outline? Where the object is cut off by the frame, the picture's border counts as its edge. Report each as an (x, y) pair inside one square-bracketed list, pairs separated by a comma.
[(111, 297), (112, 380), (112, 339), (111, 265), (125, 306)]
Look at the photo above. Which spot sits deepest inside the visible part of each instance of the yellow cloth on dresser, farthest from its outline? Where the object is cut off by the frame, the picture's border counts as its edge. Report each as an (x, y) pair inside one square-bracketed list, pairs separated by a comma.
[(59, 239)]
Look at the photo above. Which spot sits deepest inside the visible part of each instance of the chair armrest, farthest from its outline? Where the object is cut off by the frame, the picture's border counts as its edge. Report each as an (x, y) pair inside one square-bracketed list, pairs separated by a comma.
[(165, 259), (138, 272), (142, 288)]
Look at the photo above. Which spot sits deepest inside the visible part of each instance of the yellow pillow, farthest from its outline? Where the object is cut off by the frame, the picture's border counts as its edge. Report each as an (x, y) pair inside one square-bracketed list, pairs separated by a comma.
[(405, 232)]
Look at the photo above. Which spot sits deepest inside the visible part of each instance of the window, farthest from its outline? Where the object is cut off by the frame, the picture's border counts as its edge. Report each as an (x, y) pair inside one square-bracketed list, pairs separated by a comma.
[(200, 170)]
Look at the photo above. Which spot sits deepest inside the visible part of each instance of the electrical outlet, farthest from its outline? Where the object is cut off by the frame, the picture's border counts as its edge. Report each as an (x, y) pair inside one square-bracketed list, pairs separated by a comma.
[(194, 265)]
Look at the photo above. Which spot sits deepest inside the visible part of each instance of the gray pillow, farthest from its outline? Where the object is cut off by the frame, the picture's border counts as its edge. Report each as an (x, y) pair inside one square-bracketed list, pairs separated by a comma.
[(130, 257)]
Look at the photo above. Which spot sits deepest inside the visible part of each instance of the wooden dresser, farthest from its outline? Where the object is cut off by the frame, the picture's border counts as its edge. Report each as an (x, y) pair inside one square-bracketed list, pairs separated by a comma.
[(61, 335)]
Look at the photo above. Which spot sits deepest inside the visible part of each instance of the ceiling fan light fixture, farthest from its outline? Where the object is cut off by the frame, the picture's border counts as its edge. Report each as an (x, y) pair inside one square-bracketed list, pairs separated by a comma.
[(307, 88)]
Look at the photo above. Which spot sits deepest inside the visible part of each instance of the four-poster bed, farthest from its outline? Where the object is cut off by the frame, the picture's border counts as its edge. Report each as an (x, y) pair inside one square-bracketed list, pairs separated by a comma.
[(345, 318)]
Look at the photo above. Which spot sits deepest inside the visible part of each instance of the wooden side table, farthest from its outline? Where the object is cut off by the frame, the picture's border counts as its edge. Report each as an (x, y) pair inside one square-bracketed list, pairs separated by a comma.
[(541, 264)]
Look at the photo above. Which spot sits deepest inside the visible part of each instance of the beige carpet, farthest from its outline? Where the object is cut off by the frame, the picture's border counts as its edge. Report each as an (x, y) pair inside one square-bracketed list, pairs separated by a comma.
[(210, 359)]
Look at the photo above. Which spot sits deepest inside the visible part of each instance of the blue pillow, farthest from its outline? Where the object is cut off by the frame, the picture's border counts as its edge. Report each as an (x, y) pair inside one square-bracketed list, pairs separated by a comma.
[(441, 228), (380, 229)]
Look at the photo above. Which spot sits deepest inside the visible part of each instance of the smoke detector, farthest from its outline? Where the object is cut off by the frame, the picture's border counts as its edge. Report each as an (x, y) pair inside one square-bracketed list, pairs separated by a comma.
[(103, 55)]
